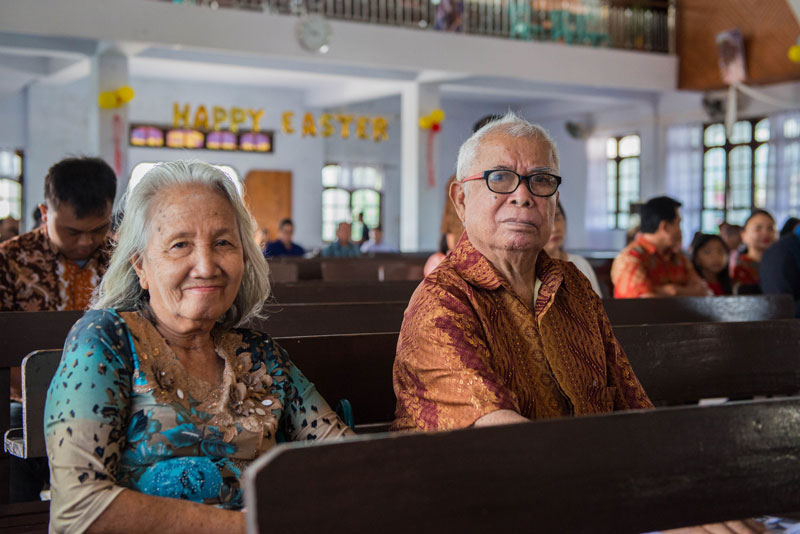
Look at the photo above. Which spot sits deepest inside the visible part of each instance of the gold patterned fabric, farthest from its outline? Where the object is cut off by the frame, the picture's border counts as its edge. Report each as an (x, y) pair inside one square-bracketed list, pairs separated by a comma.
[(469, 346)]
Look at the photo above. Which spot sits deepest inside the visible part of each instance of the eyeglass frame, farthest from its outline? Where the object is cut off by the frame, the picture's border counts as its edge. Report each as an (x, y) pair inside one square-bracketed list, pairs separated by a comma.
[(485, 177)]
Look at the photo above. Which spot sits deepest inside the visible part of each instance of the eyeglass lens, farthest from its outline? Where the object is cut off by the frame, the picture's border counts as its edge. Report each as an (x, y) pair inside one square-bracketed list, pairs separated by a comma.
[(506, 182)]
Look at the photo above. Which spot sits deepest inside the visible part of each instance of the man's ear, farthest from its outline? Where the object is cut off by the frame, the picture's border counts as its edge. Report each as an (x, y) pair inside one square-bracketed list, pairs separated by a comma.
[(136, 261), (458, 198), (43, 211)]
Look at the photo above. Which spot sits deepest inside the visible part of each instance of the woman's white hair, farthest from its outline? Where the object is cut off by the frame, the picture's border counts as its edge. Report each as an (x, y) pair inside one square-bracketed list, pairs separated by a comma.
[(510, 124), (120, 287)]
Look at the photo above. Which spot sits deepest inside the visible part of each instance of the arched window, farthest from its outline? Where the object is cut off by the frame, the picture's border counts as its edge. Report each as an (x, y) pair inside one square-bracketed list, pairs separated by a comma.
[(623, 178), (10, 183), (141, 169), (347, 191)]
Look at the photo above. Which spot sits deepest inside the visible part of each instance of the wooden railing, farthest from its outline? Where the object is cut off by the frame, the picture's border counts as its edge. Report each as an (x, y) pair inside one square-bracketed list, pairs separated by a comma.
[(647, 25)]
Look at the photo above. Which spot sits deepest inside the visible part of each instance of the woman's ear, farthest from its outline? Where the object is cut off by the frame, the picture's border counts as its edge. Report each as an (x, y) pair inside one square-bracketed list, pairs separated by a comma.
[(136, 261)]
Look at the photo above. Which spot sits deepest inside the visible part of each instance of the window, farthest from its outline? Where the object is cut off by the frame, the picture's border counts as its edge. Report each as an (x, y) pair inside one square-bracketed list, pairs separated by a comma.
[(348, 191), (10, 183), (622, 172), (735, 171), (141, 169)]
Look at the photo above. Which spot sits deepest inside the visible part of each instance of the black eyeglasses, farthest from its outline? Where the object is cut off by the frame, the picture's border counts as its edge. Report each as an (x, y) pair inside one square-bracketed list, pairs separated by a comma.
[(540, 184)]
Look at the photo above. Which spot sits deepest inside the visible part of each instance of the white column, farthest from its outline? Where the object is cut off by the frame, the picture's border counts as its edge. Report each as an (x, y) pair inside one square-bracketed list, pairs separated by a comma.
[(108, 128), (417, 100)]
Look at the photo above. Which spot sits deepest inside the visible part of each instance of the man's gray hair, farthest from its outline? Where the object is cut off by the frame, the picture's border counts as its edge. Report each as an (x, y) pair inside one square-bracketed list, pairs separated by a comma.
[(510, 124), (120, 287)]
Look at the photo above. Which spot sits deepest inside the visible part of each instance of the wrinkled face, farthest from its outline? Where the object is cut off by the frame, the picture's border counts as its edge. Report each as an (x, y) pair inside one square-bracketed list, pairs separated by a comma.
[(343, 232), (559, 232), (759, 233), (499, 224), (75, 238), (194, 261), (286, 232), (672, 230), (712, 257)]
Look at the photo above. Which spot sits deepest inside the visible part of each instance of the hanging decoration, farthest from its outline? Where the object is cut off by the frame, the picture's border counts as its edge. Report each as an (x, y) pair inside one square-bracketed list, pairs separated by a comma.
[(433, 123), (794, 52), (115, 99)]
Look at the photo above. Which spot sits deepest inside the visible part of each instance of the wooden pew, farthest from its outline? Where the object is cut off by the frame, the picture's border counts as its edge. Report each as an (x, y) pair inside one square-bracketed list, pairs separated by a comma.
[(317, 291), (697, 309), (370, 269), (616, 473), (24, 518)]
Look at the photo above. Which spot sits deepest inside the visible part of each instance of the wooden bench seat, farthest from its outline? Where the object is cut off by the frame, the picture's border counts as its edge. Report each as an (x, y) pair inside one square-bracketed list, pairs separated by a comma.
[(620, 473)]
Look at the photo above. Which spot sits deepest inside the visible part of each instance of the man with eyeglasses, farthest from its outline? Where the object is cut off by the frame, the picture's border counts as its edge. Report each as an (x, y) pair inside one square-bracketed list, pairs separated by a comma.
[(500, 332)]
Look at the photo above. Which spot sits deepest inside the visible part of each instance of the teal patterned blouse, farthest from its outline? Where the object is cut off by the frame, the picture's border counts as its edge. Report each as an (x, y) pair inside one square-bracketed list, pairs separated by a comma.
[(123, 412)]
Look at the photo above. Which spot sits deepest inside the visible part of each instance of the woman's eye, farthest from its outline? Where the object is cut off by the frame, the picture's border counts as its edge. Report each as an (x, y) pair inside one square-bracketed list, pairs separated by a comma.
[(223, 242), (180, 244)]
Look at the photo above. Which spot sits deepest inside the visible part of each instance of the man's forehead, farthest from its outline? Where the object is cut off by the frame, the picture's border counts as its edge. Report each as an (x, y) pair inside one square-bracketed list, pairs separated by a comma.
[(504, 149), (67, 215)]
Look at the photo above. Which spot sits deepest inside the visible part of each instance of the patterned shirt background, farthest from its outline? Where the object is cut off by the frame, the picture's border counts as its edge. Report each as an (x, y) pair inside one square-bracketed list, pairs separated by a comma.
[(639, 268)]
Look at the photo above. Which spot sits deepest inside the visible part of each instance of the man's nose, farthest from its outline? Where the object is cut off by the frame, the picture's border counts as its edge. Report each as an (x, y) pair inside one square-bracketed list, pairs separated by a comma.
[(522, 196), (85, 240)]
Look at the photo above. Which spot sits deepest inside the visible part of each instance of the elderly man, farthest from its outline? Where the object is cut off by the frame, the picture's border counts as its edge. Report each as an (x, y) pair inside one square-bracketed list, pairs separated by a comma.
[(500, 332), (343, 247)]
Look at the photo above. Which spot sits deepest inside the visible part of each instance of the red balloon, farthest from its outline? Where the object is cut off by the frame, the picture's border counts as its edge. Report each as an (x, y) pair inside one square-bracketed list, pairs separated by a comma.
[(436, 127)]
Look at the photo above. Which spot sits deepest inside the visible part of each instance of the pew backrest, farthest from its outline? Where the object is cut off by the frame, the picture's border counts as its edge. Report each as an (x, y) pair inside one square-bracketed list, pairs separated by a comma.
[(626, 472), (699, 309), (316, 291)]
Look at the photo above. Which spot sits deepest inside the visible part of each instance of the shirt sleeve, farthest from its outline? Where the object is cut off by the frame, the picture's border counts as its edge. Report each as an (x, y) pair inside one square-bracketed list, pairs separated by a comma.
[(442, 374), (85, 413), (779, 273), (630, 277), (628, 391), (307, 416)]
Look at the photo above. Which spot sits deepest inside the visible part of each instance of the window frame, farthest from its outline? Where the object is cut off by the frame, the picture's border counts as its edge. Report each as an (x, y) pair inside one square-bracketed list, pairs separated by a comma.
[(350, 189), (19, 152), (618, 159), (728, 147)]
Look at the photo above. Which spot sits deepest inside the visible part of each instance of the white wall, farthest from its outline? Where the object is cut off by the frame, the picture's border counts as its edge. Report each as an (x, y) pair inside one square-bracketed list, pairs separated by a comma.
[(13, 127)]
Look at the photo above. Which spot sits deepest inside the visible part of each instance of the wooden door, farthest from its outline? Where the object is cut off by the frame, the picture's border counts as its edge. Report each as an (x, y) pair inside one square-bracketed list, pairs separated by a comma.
[(268, 196)]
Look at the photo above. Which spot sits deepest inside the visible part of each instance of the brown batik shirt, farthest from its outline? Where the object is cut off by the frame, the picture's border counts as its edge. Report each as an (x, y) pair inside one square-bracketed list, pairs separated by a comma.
[(469, 346), (34, 276)]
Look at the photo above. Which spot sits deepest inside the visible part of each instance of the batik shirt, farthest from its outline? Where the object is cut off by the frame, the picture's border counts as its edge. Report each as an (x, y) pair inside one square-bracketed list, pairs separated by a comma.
[(745, 271), (123, 412), (34, 276), (470, 346), (639, 269)]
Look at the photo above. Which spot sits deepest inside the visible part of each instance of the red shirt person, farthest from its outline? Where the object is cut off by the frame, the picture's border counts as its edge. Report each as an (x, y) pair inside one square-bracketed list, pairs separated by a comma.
[(652, 265)]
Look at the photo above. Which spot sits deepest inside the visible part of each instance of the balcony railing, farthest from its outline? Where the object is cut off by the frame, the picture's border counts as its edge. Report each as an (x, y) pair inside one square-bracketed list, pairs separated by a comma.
[(625, 24)]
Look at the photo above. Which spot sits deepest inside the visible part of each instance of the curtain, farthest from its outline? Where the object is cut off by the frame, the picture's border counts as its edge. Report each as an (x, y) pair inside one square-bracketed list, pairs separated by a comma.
[(684, 174)]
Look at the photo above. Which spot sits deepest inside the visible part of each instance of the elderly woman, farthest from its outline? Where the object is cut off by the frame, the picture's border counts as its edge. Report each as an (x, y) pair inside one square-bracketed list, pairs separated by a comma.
[(162, 398)]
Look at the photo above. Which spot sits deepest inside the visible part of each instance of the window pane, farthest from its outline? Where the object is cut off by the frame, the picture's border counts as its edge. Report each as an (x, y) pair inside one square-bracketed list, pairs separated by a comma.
[(740, 177), (762, 130), (714, 178), (335, 209), (742, 132), (711, 221), (611, 189), (630, 145), (791, 128), (611, 148), (367, 177), (760, 193), (10, 164), (714, 135), (623, 220), (791, 162), (10, 198), (331, 175), (368, 202), (738, 216)]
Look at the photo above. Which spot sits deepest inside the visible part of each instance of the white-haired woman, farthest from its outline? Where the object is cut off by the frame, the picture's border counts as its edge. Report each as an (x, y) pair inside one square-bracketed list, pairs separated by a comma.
[(161, 394)]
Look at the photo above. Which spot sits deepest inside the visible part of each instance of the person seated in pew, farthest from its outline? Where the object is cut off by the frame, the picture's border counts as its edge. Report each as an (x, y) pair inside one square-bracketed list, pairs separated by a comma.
[(779, 270), (343, 247), (376, 243), (161, 394), (650, 266), (555, 249), (500, 332), (758, 235), (710, 261), (284, 246)]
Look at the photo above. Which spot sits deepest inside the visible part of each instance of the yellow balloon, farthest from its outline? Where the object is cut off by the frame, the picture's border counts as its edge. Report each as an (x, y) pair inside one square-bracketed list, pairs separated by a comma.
[(794, 54), (437, 115), (107, 100), (125, 94), (425, 123)]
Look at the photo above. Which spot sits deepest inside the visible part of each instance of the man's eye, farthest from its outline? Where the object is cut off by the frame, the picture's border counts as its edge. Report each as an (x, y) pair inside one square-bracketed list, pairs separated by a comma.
[(500, 176), (542, 179)]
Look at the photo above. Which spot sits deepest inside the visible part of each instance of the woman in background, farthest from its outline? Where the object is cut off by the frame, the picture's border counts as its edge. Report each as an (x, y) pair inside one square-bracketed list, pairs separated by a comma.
[(710, 260), (758, 235), (555, 249)]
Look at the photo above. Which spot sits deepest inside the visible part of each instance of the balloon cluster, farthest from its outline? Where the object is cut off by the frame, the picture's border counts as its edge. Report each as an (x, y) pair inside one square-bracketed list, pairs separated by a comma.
[(115, 99), (433, 121), (794, 52)]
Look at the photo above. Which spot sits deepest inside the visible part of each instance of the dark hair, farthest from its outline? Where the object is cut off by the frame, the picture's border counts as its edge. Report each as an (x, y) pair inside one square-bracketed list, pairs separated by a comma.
[(723, 277), (443, 244), (37, 217), (284, 222), (656, 210), (484, 121), (759, 212), (789, 225), (88, 184)]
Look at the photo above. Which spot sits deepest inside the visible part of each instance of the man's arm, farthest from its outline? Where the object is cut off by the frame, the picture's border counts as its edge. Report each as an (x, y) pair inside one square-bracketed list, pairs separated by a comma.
[(501, 417)]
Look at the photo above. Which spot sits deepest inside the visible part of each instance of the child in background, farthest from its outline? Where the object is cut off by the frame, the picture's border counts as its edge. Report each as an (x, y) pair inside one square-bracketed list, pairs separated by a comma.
[(710, 260)]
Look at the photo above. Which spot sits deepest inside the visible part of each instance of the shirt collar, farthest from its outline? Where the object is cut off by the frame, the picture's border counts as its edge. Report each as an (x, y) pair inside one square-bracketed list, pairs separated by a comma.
[(476, 269), (650, 248)]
